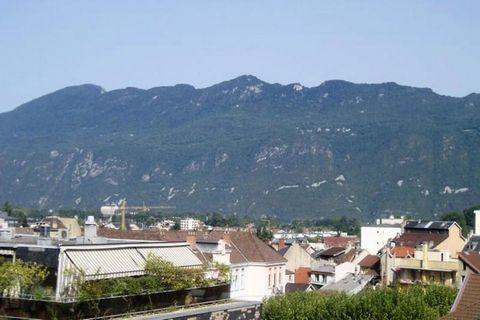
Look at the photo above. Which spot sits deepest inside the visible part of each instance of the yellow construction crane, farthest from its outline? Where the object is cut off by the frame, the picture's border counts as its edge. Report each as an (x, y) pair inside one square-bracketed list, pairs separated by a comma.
[(109, 211)]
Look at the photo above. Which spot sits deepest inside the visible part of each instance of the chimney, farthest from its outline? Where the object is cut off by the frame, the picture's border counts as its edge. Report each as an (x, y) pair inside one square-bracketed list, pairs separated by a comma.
[(425, 255), (192, 239), (281, 244), (477, 221), (90, 228)]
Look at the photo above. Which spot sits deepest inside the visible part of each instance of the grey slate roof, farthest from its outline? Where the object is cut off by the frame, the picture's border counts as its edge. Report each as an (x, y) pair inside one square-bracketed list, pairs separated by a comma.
[(351, 284), (428, 225), (473, 244)]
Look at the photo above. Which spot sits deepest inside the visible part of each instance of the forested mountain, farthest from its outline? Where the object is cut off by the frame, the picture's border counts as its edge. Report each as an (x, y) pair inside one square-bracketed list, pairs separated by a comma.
[(246, 146)]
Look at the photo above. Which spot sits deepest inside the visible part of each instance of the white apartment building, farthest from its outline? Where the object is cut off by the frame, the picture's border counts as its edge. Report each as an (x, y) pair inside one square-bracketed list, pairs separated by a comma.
[(189, 224), (374, 237)]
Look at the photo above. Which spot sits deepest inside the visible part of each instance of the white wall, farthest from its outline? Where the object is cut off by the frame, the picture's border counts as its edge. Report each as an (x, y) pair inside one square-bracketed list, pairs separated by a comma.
[(344, 269), (250, 281), (373, 238)]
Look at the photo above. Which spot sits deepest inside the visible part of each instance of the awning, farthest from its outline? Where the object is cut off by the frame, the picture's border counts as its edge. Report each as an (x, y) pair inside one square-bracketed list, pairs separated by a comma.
[(121, 262), (179, 256), (114, 262)]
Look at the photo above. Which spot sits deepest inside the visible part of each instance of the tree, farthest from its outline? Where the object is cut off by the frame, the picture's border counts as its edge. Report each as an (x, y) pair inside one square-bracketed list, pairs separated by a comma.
[(7, 207), (470, 216), (21, 277), (414, 302)]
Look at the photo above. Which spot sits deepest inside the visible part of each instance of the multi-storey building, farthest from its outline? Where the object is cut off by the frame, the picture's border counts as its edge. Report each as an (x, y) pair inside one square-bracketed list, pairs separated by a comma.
[(426, 252)]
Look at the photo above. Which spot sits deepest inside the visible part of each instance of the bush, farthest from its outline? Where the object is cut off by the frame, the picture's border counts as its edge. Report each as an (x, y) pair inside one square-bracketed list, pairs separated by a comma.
[(414, 302)]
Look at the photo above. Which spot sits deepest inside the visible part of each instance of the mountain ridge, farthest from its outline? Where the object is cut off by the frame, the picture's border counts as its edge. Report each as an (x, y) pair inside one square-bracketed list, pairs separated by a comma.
[(245, 146)]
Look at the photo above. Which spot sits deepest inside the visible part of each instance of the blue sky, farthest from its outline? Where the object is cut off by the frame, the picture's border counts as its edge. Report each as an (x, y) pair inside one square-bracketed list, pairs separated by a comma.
[(48, 45)]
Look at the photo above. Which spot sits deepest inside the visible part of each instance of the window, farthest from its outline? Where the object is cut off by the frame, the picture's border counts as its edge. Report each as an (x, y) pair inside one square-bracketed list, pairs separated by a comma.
[(274, 279), (464, 266), (235, 280), (269, 280), (280, 277), (242, 279)]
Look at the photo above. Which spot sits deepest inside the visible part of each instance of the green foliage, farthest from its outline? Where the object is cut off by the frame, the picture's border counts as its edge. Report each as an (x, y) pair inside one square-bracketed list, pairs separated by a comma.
[(272, 138), (470, 216), (161, 275), (223, 271), (21, 278), (341, 224), (7, 207), (388, 303)]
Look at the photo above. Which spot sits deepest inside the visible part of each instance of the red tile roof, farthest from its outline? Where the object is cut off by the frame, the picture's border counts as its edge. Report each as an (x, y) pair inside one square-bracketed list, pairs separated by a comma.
[(467, 303), (472, 259), (244, 246), (339, 241), (369, 261), (415, 239), (402, 251)]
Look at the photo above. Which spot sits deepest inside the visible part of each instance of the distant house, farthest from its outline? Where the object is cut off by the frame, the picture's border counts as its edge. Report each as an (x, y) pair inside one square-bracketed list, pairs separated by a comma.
[(335, 255), (325, 274), (298, 261), (257, 270), (467, 303), (468, 262), (374, 237), (425, 253), (11, 221), (69, 226), (343, 241), (189, 224), (370, 265)]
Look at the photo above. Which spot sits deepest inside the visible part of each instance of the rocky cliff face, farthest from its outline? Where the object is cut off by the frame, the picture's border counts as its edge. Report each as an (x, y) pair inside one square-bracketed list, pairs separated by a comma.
[(246, 146)]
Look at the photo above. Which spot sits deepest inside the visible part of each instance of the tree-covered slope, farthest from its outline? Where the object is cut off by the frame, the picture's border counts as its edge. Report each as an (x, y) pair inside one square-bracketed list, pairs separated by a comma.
[(245, 146)]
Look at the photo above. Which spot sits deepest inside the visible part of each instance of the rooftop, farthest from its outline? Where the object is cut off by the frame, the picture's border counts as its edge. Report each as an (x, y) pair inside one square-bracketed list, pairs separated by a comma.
[(339, 241), (382, 225), (429, 225), (416, 239), (244, 246), (472, 259), (467, 303), (296, 287), (473, 244), (350, 284), (369, 261), (402, 251)]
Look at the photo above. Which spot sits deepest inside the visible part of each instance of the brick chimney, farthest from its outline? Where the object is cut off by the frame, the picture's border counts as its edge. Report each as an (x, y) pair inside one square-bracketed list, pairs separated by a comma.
[(192, 239), (281, 244)]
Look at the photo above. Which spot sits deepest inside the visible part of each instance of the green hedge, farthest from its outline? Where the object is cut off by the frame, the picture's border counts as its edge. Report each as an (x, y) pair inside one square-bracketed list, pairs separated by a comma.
[(415, 302)]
